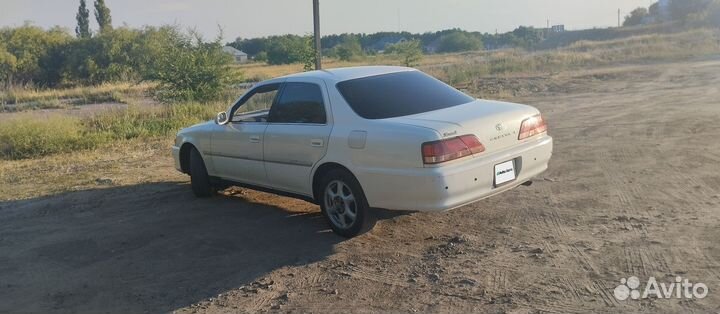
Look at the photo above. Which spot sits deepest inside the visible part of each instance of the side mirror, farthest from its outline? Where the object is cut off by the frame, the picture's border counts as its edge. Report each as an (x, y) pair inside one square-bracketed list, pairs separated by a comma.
[(221, 118)]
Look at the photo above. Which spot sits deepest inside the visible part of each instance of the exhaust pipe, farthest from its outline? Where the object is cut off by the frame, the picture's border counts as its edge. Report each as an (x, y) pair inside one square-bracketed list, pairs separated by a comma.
[(528, 183)]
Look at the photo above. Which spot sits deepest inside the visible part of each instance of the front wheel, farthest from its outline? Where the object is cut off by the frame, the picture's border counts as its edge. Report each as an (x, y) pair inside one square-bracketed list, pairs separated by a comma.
[(199, 178), (344, 205)]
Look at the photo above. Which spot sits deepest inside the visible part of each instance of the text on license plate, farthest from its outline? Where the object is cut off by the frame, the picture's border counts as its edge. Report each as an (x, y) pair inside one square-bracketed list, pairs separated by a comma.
[(504, 172)]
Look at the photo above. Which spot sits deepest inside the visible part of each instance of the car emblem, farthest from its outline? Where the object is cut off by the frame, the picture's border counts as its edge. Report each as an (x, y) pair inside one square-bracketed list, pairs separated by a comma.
[(499, 127)]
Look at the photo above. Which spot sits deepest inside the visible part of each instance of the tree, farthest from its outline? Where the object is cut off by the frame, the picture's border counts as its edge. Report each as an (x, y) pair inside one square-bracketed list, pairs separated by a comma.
[(252, 46), (685, 9), (289, 49), (348, 48), (459, 41), (8, 63), (308, 53), (82, 30), (32, 48), (713, 17), (636, 17), (654, 9), (261, 56), (102, 15), (526, 37), (410, 52), (109, 56)]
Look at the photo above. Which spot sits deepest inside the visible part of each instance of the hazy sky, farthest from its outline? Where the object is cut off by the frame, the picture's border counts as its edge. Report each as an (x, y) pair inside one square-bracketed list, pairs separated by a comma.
[(246, 18)]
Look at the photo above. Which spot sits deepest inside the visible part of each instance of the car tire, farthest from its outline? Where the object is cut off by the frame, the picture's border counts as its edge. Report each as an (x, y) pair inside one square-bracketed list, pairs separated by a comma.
[(344, 205), (199, 179)]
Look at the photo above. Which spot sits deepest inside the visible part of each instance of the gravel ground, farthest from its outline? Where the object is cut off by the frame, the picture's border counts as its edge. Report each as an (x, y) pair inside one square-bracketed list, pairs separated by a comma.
[(633, 190)]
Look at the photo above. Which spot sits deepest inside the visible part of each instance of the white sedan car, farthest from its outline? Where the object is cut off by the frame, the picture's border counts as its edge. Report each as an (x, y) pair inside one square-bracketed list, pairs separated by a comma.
[(352, 139)]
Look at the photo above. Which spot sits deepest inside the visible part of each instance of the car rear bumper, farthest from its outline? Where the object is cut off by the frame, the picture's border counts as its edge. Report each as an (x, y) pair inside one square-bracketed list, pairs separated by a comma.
[(456, 184)]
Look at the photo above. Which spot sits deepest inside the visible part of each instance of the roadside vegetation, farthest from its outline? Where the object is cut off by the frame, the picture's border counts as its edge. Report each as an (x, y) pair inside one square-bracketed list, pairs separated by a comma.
[(30, 136), (184, 65), (22, 99), (647, 48), (167, 79)]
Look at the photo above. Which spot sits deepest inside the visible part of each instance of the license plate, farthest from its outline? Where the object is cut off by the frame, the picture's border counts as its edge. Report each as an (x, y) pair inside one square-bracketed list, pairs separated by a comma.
[(504, 172)]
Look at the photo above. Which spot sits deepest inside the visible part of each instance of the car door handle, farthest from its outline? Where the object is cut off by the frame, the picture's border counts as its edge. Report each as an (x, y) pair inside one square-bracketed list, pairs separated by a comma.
[(255, 139), (316, 143)]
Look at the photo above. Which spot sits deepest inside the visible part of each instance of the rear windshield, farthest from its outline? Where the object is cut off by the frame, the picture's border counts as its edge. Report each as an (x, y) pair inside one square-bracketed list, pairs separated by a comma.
[(399, 94)]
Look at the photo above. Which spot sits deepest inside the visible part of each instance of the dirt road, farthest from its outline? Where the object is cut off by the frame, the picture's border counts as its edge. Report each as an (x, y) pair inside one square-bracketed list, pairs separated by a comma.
[(633, 190)]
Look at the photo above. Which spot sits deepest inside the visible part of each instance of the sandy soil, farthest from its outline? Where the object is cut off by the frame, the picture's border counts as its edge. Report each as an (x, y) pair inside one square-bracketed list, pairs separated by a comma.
[(633, 190)]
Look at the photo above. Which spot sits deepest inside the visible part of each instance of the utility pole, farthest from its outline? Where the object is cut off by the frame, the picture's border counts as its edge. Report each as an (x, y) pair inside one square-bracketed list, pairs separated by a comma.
[(316, 24), (618, 17)]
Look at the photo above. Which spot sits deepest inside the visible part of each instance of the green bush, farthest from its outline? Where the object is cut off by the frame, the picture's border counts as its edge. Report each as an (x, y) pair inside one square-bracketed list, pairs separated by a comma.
[(288, 49), (111, 56), (191, 69), (348, 49), (409, 51), (458, 41)]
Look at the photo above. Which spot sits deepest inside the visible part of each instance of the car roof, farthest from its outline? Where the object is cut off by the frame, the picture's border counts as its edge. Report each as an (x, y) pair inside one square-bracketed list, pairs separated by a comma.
[(350, 73)]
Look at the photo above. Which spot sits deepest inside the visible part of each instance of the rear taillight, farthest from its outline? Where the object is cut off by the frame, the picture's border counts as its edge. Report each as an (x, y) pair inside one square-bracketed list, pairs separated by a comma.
[(450, 149), (532, 126)]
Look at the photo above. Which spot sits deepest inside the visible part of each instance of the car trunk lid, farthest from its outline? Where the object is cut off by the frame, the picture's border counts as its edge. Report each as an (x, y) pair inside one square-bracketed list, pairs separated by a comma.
[(496, 124)]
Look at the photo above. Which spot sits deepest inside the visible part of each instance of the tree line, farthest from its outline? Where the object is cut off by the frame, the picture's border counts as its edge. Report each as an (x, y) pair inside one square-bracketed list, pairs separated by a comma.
[(700, 11), (184, 64), (288, 48), (187, 66)]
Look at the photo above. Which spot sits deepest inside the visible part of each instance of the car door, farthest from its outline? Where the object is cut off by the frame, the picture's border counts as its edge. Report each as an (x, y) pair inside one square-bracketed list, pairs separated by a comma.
[(237, 150), (296, 138)]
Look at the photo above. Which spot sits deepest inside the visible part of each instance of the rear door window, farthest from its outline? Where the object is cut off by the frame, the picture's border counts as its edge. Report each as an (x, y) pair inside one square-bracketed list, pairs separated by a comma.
[(399, 94), (299, 103)]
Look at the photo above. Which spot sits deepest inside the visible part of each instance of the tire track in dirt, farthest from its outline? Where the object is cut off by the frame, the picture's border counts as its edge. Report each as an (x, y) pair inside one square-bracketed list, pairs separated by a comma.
[(604, 293), (625, 197), (712, 267), (645, 262), (583, 259), (544, 221), (374, 275), (497, 281)]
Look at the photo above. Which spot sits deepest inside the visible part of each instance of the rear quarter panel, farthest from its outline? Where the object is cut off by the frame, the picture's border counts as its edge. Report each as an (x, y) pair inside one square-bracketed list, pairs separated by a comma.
[(388, 148)]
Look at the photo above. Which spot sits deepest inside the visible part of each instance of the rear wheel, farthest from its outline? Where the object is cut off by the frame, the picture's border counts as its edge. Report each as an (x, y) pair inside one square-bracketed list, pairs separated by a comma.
[(344, 205), (199, 179)]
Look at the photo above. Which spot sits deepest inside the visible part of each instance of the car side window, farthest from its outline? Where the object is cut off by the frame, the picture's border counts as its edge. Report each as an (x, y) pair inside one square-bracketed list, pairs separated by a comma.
[(254, 106), (299, 103)]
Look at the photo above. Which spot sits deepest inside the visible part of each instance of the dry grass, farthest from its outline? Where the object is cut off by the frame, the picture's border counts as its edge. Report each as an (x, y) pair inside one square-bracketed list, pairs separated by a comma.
[(646, 48), (260, 71), (460, 68), (32, 136), (88, 169), (27, 136), (19, 98)]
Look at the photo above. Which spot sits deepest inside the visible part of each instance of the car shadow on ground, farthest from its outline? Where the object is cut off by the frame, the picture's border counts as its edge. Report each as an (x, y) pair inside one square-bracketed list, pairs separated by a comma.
[(145, 248)]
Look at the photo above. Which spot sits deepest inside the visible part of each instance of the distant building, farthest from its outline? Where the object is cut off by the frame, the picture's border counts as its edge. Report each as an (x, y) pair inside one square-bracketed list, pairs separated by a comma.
[(240, 57), (381, 45), (557, 28)]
